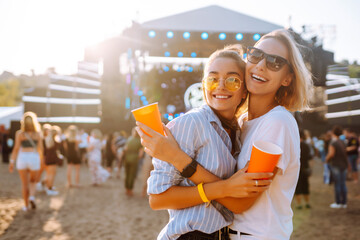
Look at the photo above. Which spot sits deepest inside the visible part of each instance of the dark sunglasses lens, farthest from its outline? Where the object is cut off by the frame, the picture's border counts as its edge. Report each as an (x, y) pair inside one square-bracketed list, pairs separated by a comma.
[(275, 63), (254, 55)]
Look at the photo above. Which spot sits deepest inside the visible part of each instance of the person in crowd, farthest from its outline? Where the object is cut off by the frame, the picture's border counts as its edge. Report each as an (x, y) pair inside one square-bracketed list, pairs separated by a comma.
[(327, 171), (309, 141), (278, 81), (337, 159), (52, 158), (210, 135), (41, 183), (6, 145), (110, 153), (302, 187), (28, 154), (98, 173), (133, 152), (352, 153), (72, 153), (83, 145), (120, 139)]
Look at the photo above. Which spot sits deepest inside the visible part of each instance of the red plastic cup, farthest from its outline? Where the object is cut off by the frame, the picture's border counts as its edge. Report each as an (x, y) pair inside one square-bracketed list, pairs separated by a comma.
[(264, 157), (150, 116)]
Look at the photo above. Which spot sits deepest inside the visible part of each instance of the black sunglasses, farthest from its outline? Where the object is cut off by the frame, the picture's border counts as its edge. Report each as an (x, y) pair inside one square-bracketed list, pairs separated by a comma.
[(273, 62)]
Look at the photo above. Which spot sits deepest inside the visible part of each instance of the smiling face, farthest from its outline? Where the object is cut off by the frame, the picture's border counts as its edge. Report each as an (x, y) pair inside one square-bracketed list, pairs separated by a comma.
[(222, 99), (262, 81)]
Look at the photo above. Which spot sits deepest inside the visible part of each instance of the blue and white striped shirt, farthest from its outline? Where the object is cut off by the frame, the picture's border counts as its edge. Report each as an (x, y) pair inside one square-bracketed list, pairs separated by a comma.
[(200, 135)]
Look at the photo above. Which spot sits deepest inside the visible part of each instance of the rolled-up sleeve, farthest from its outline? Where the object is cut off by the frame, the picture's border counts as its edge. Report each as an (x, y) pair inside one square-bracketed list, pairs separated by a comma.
[(164, 174)]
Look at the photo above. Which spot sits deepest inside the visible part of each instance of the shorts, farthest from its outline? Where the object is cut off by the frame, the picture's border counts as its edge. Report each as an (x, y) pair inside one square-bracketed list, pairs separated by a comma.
[(28, 160)]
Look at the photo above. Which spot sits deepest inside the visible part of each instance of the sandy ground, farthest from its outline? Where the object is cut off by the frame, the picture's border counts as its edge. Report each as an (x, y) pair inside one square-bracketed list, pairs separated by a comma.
[(105, 212)]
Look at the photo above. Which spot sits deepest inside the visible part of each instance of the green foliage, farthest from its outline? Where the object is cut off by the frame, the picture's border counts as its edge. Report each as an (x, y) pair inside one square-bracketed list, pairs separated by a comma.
[(10, 94), (354, 71)]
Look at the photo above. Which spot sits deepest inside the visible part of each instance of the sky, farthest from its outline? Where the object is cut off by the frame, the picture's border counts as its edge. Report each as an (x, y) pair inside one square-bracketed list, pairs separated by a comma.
[(38, 34)]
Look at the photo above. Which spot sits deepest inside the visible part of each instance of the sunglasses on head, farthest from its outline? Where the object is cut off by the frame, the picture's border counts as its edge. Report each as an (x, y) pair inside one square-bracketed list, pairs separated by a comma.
[(231, 83), (273, 62)]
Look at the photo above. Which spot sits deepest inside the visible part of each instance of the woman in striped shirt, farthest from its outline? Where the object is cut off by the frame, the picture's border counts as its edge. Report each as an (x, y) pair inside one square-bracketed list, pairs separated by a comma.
[(210, 136)]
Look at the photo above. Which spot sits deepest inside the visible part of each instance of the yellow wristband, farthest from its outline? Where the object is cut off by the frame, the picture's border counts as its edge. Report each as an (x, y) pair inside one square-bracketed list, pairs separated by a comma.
[(202, 193)]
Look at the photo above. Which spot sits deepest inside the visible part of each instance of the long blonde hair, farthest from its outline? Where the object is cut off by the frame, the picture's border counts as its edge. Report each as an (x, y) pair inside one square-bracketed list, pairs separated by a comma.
[(294, 97), (29, 123)]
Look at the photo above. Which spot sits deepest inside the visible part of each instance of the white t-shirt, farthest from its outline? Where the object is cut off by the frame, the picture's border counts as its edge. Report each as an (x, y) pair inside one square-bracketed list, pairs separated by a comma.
[(270, 217)]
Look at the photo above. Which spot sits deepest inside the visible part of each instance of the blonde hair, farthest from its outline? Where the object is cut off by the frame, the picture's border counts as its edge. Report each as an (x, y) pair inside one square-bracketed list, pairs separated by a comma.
[(71, 133), (53, 136), (96, 133), (294, 97), (29, 123), (234, 52)]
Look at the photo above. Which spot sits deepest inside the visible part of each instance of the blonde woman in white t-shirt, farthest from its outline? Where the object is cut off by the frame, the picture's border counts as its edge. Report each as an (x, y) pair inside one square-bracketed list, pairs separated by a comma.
[(278, 82)]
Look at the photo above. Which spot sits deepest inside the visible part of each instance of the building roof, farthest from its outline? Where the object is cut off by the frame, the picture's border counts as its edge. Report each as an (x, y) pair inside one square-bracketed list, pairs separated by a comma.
[(211, 19)]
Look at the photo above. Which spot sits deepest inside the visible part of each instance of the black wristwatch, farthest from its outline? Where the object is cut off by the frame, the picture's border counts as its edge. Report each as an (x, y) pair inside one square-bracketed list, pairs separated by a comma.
[(190, 169)]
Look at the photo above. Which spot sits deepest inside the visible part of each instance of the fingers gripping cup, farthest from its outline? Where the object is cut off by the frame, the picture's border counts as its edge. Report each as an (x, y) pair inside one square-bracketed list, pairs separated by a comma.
[(264, 157), (150, 116)]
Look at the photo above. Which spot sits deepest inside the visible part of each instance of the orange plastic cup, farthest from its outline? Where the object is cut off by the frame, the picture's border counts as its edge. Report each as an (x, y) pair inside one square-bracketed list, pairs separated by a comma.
[(150, 116), (264, 157)]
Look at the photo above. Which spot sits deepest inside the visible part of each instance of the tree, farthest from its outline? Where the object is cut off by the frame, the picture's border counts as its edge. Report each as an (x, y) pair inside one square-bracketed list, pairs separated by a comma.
[(10, 94)]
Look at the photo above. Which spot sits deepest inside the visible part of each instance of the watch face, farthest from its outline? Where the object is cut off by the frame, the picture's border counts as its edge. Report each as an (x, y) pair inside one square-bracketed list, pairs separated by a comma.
[(193, 96)]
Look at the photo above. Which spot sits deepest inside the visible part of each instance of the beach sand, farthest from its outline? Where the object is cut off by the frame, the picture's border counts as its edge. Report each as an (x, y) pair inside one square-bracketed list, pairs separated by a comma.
[(105, 212)]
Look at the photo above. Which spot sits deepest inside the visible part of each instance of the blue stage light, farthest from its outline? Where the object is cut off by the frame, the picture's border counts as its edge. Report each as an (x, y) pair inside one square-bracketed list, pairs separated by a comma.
[(193, 54), (239, 36), (186, 35), (170, 118), (143, 98), (167, 54), (180, 54), (222, 36), (145, 102), (152, 34), (256, 36), (166, 115), (176, 115), (170, 34), (190, 69), (166, 68), (140, 93), (204, 35), (179, 69)]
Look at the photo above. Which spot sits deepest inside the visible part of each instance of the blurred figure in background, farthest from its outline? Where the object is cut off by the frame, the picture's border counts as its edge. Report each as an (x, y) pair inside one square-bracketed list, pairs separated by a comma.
[(110, 152), (72, 154), (352, 152), (27, 153), (133, 153), (52, 152), (327, 141), (119, 144), (41, 183), (83, 145), (302, 187), (337, 159), (98, 173), (309, 141)]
